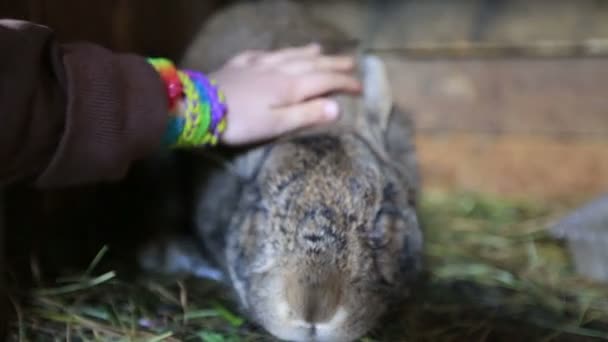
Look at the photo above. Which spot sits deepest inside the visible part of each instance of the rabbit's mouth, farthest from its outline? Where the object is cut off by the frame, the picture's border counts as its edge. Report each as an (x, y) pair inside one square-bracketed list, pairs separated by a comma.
[(294, 313), (297, 330)]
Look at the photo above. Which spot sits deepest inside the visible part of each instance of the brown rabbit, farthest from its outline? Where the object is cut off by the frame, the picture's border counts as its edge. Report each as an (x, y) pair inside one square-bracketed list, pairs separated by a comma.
[(317, 232)]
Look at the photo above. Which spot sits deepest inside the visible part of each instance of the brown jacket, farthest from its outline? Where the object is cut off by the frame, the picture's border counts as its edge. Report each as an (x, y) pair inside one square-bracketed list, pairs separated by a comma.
[(75, 113)]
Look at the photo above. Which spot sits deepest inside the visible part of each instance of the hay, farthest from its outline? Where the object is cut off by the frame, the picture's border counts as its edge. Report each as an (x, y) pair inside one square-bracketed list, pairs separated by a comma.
[(493, 275)]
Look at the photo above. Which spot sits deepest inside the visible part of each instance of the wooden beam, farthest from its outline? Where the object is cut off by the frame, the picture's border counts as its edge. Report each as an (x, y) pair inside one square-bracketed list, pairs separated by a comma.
[(515, 165), (516, 127), (556, 97)]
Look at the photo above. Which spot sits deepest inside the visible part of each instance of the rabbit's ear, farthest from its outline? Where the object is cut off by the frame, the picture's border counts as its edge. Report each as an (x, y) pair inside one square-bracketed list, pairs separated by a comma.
[(377, 95)]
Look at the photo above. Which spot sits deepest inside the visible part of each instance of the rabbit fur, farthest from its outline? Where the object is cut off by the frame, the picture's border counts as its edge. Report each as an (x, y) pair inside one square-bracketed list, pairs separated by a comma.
[(316, 232)]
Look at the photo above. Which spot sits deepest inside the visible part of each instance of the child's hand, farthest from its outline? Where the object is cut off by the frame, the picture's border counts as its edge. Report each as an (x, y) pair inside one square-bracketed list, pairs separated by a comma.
[(271, 93)]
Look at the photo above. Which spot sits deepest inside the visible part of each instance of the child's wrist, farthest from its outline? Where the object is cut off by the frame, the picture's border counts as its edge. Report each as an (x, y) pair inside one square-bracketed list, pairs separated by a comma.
[(197, 109)]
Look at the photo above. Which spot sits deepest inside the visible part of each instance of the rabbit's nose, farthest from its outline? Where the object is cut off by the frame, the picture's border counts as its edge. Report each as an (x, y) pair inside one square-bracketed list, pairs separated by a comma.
[(314, 293), (300, 330), (332, 330)]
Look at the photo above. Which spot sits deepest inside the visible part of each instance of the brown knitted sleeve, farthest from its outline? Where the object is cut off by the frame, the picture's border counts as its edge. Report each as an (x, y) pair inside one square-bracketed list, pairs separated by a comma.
[(73, 114)]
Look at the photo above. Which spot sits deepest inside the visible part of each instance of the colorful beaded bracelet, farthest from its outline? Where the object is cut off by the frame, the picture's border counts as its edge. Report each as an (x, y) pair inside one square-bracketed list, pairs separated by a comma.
[(197, 108)]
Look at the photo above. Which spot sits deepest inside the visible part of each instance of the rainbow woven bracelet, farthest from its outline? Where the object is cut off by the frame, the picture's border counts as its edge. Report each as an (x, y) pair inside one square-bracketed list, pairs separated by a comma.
[(197, 108)]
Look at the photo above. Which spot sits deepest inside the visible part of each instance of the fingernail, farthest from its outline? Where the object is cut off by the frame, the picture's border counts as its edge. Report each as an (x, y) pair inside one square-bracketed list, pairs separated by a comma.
[(331, 110)]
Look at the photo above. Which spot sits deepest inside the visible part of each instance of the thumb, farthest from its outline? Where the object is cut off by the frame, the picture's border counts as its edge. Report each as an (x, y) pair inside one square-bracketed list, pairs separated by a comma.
[(303, 114)]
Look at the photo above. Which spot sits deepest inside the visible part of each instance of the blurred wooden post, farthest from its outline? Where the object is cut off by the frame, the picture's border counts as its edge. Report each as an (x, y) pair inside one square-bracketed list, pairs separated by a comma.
[(4, 299)]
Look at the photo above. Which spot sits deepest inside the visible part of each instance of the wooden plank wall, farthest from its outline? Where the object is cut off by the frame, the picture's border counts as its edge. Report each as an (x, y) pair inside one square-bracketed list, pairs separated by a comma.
[(517, 126), (508, 124)]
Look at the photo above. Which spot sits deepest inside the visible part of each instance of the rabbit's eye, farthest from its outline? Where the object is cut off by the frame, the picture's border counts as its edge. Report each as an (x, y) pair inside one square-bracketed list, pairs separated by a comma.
[(253, 200), (386, 240), (383, 227), (377, 237)]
